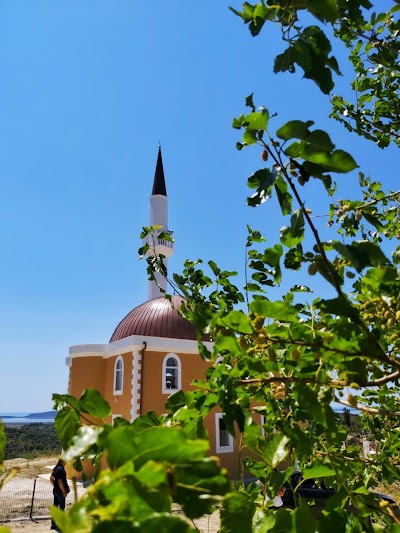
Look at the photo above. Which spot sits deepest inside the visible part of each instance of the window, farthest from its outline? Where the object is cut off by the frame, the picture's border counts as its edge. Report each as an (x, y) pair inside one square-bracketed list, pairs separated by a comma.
[(171, 374), (224, 440), (118, 375)]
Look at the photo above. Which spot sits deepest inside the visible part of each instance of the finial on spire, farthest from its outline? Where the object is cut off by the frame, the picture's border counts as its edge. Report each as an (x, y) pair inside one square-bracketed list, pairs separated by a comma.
[(159, 180)]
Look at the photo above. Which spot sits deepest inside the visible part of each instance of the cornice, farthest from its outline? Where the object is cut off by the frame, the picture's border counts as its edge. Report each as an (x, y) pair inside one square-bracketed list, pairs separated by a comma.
[(136, 342)]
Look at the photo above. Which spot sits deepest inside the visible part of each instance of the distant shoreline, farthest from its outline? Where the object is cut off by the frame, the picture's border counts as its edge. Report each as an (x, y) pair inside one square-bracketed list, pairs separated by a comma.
[(46, 417), (19, 422)]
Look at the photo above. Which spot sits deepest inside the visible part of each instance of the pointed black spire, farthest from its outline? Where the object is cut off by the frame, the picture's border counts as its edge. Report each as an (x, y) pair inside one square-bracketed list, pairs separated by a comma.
[(159, 180)]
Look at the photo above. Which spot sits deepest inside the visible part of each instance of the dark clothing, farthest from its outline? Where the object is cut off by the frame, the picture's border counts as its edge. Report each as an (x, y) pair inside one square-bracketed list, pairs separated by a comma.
[(59, 473), (59, 499)]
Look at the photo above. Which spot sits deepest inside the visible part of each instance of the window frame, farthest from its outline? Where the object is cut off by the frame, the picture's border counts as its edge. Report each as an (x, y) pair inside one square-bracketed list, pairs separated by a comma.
[(218, 447), (118, 392), (178, 384)]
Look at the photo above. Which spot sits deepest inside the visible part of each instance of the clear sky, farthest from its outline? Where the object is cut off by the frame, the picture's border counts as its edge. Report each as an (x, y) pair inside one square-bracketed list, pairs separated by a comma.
[(88, 89)]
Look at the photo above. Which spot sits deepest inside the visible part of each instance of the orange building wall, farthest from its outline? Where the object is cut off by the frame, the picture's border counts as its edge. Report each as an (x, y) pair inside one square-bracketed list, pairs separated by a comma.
[(152, 379), (87, 373)]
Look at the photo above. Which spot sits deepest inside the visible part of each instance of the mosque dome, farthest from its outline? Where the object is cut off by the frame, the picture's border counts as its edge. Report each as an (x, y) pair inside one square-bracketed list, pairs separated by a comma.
[(156, 318)]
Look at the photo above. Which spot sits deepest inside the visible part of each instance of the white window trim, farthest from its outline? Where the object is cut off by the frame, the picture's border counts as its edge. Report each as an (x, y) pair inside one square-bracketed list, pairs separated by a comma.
[(218, 447), (113, 417), (118, 392), (179, 374)]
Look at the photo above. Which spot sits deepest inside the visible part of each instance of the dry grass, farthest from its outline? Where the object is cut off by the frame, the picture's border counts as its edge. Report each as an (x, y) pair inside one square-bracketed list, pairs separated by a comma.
[(391, 490), (30, 468)]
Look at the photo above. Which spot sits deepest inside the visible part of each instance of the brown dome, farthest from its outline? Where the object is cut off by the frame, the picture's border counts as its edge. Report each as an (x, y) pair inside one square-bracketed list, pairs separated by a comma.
[(156, 318)]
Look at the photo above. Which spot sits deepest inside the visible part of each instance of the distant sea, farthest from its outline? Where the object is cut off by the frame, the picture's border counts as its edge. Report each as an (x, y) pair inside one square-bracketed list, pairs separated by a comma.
[(22, 418)]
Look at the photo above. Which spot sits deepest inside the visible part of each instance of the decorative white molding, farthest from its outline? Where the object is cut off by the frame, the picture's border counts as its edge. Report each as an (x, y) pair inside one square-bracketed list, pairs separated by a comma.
[(88, 350), (136, 386), (135, 342)]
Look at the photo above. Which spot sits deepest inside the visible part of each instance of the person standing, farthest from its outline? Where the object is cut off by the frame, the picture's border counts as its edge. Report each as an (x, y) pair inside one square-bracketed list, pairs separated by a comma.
[(60, 487)]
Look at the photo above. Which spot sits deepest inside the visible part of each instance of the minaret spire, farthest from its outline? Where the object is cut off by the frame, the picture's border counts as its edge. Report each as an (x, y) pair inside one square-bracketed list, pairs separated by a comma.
[(159, 180), (159, 217)]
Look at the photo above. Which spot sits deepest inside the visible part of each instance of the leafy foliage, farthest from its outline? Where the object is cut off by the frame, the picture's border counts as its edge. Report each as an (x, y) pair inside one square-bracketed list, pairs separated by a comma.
[(284, 358)]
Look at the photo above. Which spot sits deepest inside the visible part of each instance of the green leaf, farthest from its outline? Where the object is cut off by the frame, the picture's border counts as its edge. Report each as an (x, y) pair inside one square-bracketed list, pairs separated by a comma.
[(158, 443), (175, 401), (120, 446), (61, 519), (67, 422), (337, 161), (276, 310), (257, 120), (339, 306), (284, 198), (273, 448), (216, 271), (196, 482), (158, 523), (92, 402), (303, 520), (324, 10), (237, 321), (293, 258), (148, 420), (320, 139), (249, 102), (82, 441), (272, 257), (311, 405), (362, 254), (236, 513), (317, 469), (62, 400), (249, 136), (262, 180), (283, 522), (284, 62), (293, 235), (294, 129), (396, 256)]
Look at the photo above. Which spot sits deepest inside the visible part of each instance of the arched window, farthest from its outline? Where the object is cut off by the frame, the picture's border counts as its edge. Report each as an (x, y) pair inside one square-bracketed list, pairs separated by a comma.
[(171, 374), (118, 375)]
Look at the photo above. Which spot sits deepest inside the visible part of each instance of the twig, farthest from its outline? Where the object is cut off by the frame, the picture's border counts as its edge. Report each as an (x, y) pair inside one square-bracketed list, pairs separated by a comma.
[(365, 409)]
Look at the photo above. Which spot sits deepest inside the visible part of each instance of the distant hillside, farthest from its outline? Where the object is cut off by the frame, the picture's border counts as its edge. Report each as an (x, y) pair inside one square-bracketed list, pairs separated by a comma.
[(47, 415), (31, 440)]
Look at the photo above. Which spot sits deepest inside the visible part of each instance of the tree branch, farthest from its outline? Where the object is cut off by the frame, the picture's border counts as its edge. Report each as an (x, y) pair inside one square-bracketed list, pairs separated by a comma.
[(365, 409)]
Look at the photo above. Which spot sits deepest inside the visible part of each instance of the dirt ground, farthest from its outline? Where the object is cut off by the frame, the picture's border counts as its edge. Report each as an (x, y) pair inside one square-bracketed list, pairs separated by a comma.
[(30, 469)]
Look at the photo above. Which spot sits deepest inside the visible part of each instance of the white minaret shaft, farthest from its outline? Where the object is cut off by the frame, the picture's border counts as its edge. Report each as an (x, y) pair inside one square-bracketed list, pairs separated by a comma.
[(159, 217)]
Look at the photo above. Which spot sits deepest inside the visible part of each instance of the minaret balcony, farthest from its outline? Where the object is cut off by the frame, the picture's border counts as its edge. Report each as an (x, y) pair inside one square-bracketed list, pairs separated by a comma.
[(159, 246)]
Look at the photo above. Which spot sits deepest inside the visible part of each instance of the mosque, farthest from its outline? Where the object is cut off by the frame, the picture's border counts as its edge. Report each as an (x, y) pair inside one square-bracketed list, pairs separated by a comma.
[(152, 352)]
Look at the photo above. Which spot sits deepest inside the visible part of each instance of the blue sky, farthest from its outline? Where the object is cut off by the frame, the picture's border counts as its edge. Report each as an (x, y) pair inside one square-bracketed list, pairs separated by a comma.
[(88, 90)]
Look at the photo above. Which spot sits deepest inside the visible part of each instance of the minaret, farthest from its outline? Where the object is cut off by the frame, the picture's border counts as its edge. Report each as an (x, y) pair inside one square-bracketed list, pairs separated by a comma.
[(159, 217)]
